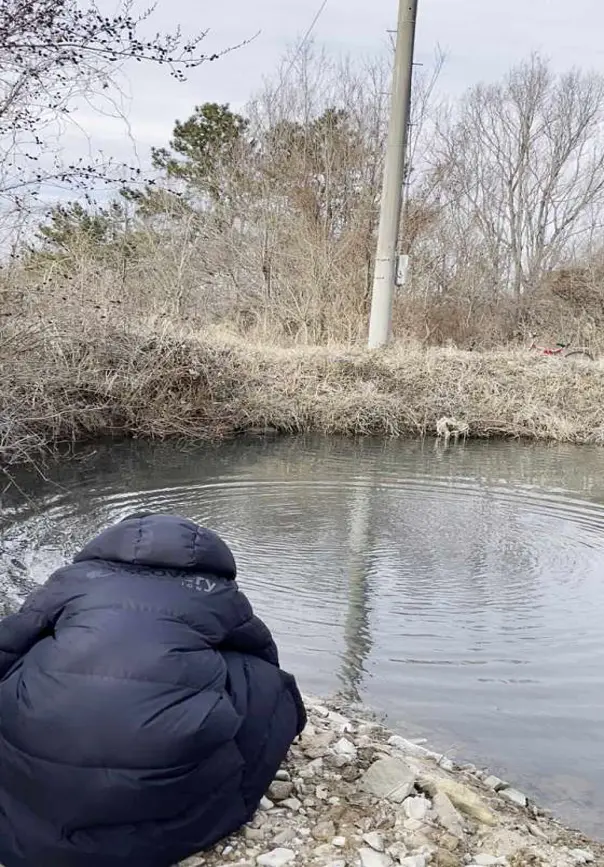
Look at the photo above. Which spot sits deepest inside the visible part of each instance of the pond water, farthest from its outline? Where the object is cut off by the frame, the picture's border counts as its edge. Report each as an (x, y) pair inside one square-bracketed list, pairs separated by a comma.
[(459, 590)]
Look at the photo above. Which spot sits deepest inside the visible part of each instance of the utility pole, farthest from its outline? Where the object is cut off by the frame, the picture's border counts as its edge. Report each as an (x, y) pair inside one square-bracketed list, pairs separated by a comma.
[(384, 279)]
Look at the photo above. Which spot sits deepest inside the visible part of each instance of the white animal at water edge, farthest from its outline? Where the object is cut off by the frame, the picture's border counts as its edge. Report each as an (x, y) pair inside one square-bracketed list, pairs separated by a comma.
[(449, 427)]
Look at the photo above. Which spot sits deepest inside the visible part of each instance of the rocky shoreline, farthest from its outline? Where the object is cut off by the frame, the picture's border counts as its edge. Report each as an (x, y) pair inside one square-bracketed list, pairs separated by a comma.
[(354, 794)]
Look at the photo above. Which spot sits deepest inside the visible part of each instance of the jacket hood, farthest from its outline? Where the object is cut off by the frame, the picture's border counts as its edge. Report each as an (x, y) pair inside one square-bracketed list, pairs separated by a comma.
[(162, 541)]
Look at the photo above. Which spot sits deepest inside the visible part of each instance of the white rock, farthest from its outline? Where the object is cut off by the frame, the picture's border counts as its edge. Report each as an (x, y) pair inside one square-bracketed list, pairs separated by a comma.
[(416, 808), (420, 843), (266, 805), (582, 856), (514, 797), (493, 782), (284, 836), (342, 723), (374, 840), (324, 830), (371, 858), (320, 710), (292, 804), (398, 851), (464, 798), (339, 761), (414, 861), (345, 748), (321, 793), (447, 815), (279, 790), (487, 860), (413, 825), (390, 778), (276, 858), (318, 745), (369, 728), (339, 842), (409, 748), (252, 833), (282, 774), (314, 767), (446, 764)]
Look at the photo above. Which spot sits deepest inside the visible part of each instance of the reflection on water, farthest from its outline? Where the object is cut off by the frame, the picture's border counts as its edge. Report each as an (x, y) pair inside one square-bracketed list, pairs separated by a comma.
[(357, 627), (460, 591)]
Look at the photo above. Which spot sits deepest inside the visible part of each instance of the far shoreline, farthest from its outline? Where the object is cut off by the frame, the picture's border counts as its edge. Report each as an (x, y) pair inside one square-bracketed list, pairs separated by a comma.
[(114, 382)]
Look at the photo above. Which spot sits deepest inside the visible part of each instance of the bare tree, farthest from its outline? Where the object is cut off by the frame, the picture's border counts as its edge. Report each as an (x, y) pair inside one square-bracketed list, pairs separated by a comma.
[(311, 206), (51, 53), (268, 220), (519, 168)]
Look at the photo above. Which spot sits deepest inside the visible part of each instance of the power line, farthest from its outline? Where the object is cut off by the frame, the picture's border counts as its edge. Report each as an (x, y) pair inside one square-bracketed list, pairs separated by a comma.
[(303, 42)]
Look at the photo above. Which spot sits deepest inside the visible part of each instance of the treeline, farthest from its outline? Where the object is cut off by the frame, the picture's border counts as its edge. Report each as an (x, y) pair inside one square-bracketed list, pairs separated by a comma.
[(266, 220)]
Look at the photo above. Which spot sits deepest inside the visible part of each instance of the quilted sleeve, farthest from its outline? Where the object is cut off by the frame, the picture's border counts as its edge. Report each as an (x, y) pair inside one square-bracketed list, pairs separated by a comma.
[(35, 619), (254, 637)]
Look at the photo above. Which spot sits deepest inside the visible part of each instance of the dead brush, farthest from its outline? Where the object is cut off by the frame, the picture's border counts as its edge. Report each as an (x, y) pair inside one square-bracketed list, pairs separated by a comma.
[(60, 387)]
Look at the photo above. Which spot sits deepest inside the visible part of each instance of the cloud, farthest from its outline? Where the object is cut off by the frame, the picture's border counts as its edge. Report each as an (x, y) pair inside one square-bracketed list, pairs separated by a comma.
[(482, 38)]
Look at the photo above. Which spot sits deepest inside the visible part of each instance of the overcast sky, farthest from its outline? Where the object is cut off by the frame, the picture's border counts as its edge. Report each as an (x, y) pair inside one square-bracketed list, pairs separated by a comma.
[(482, 38)]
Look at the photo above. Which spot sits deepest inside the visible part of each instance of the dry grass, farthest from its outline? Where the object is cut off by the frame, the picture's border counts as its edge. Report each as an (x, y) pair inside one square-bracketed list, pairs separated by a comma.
[(57, 388)]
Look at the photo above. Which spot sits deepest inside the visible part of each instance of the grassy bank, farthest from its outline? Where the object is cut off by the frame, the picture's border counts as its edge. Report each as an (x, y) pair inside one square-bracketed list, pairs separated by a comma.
[(57, 387)]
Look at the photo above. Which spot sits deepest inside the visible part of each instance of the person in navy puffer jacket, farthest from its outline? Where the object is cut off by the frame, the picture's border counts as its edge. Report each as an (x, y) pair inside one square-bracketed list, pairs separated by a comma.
[(143, 712)]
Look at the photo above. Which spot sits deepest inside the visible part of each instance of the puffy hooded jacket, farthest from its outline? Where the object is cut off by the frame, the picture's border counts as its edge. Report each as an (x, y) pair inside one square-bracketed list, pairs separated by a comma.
[(143, 713)]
